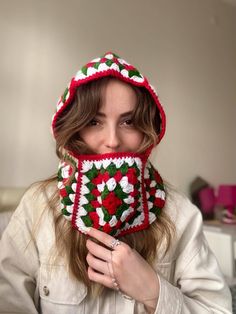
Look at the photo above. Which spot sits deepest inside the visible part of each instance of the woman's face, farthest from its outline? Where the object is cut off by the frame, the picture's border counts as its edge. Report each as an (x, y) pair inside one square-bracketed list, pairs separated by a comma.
[(112, 129)]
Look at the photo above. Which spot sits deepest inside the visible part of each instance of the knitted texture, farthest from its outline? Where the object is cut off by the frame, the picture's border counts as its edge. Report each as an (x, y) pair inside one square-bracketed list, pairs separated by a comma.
[(108, 65), (117, 193)]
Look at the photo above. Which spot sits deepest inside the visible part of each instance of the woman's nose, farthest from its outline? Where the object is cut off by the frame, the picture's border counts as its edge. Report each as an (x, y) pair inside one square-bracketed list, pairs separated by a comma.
[(113, 139)]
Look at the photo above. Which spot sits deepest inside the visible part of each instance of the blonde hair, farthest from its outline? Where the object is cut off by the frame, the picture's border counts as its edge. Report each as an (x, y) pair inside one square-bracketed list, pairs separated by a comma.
[(70, 243)]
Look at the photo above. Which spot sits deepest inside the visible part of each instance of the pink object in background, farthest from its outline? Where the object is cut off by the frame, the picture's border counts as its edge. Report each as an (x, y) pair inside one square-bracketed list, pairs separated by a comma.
[(207, 201), (227, 197)]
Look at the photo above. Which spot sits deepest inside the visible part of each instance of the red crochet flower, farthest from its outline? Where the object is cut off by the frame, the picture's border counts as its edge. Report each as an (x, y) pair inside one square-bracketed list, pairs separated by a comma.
[(95, 204), (63, 193), (95, 192), (147, 182), (98, 180), (134, 204), (118, 224), (111, 203), (132, 177), (159, 202), (107, 228), (106, 176), (95, 218), (134, 193), (158, 177), (152, 191), (118, 176)]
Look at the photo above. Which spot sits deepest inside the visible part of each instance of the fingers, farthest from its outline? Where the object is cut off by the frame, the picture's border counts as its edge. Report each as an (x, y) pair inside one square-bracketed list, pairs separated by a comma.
[(99, 265), (100, 258), (101, 236), (100, 278), (98, 250)]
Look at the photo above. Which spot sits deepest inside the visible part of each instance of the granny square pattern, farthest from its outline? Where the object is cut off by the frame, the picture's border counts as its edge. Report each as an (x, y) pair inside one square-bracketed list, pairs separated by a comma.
[(114, 195)]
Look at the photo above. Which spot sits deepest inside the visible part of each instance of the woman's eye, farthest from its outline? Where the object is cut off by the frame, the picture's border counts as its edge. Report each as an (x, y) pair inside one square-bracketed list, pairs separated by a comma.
[(128, 122), (93, 122)]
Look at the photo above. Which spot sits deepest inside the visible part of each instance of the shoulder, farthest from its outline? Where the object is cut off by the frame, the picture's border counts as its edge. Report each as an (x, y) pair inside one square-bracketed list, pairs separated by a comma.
[(33, 210), (33, 220), (178, 205), (35, 200), (187, 219)]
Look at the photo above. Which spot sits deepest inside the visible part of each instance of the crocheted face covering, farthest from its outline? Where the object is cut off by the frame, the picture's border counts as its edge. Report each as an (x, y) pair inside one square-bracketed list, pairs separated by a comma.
[(117, 193)]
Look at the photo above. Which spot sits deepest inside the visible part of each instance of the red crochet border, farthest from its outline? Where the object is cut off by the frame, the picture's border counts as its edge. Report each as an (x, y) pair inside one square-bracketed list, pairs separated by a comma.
[(142, 156)]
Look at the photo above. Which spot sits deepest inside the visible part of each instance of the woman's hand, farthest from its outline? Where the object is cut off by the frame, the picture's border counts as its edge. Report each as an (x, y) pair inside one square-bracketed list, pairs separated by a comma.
[(134, 276)]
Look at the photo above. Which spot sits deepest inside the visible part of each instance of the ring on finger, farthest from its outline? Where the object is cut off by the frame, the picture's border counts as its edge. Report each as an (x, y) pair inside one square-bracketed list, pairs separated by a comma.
[(114, 243)]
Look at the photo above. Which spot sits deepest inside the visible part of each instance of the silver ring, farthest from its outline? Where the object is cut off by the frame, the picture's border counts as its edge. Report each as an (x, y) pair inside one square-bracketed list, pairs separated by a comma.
[(114, 243)]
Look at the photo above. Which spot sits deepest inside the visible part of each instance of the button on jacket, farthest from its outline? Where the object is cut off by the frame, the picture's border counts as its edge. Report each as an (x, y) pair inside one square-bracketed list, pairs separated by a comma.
[(30, 283)]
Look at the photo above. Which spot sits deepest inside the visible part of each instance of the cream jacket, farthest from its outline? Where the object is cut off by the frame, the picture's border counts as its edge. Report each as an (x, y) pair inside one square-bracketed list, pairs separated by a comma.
[(190, 279)]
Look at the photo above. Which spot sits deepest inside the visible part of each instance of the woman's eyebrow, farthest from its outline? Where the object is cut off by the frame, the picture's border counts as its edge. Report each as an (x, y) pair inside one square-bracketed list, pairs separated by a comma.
[(124, 114)]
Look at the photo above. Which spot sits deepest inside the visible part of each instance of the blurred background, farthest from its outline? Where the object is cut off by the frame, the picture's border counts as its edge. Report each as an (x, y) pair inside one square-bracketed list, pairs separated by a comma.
[(187, 49)]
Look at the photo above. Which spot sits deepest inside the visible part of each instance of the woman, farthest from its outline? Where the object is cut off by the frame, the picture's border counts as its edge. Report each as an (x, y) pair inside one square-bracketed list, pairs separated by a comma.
[(106, 235)]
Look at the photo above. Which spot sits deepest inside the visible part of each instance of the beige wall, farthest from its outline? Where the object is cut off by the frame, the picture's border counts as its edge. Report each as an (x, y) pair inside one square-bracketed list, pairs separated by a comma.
[(187, 48)]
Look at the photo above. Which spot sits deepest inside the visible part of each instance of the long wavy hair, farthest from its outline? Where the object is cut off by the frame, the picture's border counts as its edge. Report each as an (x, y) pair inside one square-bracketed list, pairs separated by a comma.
[(70, 243)]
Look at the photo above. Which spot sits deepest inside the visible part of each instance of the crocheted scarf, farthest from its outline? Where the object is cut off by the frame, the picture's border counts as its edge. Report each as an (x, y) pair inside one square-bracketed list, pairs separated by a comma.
[(118, 193)]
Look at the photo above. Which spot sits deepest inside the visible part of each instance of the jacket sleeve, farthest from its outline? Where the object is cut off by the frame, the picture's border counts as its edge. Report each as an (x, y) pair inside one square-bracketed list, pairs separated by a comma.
[(18, 265), (198, 285)]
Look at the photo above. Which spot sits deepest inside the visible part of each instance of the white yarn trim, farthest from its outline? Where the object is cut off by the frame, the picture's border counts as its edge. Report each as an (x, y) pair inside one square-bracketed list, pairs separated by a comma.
[(74, 187), (96, 60), (98, 164), (65, 172), (125, 185), (111, 184), (129, 200), (137, 79), (86, 166), (82, 211), (125, 73), (113, 221), (101, 187), (153, 184), (160, 194), (152, 217), (83, 201), (84, 189), (84, 179), (59, 105), (101, 215), (109, 56), (118, 162), (72, 197), (106, 163), (79, 76), (91, 71), (103, 67), (126, 213)]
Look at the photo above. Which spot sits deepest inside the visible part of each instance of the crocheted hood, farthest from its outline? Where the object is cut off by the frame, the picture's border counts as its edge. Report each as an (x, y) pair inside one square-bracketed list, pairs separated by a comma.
[(108, 65)]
